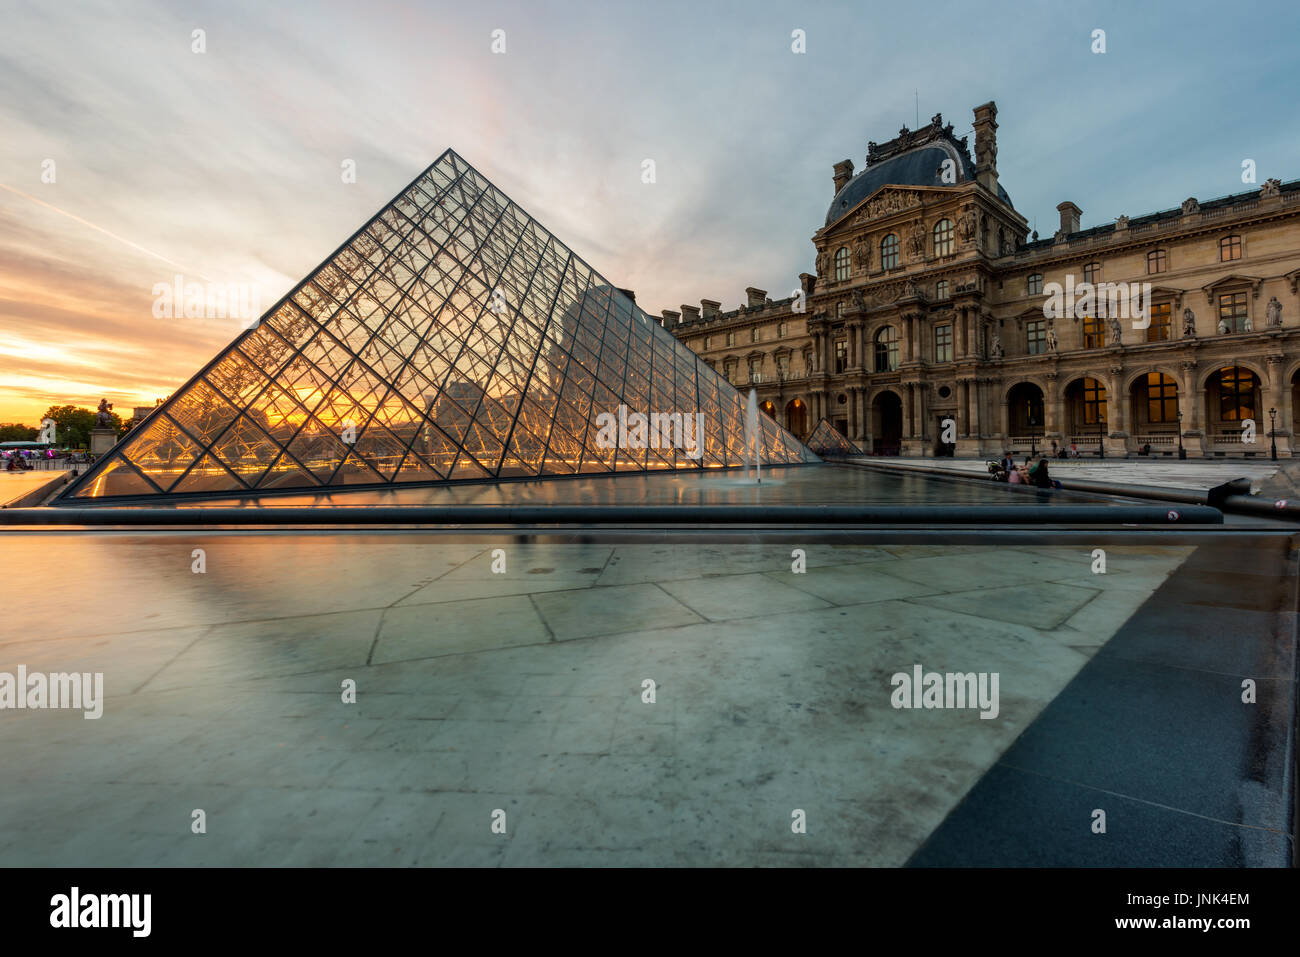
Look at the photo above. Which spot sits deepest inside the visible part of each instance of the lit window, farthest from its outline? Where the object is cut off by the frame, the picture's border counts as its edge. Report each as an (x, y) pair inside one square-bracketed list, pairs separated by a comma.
[(1157, 261), (1094, 402), (1162, 398), (841, 355), (943, 241), (1229, 248), (841, 263), (1236, 394), (1161, 325), (943, 343), (1094, 333), (889, 252), (1036, 337), (1034, 284)]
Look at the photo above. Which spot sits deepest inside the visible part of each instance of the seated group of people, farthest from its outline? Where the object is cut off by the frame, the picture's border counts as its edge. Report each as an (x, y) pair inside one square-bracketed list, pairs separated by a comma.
[(1006, 470), (17, 463)]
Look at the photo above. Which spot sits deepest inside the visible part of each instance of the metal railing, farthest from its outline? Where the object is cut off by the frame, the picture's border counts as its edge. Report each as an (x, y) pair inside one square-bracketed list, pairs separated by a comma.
[(1154, 439)]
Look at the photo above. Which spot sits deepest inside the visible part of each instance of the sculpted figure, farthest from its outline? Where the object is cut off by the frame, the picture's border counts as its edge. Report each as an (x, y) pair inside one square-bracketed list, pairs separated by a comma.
[(1189, 323), (1273, 314)]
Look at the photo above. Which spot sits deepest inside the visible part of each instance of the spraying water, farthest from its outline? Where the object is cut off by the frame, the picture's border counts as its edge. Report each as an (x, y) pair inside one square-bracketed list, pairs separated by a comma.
[(753, 438)]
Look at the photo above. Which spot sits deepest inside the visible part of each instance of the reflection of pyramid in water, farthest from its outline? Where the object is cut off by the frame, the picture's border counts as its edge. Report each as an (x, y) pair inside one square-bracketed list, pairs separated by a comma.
[(452, 338), (828, 440)]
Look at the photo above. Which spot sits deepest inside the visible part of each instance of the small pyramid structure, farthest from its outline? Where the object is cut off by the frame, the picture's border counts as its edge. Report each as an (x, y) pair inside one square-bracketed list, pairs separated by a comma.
[(826, 440), (452, 338)]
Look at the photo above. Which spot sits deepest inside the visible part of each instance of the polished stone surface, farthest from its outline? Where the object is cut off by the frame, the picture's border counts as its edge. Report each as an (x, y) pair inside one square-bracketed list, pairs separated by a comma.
[(521, 691)]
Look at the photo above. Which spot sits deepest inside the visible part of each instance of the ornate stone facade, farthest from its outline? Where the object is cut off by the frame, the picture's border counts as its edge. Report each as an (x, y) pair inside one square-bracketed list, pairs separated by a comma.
[(943, 316)]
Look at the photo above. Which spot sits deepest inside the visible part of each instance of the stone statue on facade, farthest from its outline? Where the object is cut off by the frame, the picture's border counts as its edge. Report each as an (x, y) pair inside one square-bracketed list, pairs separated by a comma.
[(1223, 327), (995, 347), (1273, 314), (1116, 332), (1246, 325), (1271, 187), (1051, 338), (823, 260), (1189, 324), (916, 240), (862, 255), (859, 304), (966, 226), (104, 418)]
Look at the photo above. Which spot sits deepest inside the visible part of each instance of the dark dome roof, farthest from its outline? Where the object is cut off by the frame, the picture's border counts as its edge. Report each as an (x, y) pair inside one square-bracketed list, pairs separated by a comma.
[(922, 166)]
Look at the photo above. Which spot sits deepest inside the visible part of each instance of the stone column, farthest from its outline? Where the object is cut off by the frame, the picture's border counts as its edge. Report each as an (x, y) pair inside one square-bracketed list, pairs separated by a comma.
[(960, 337), (853, 411)]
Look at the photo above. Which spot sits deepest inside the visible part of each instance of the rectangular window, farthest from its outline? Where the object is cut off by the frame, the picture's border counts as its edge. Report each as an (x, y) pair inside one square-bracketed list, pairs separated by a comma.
[(841, 355), (1035, 284), (1094, 335), (1229, 248), (708, 343), (1157, 261), (1162, 398), (1092, 272), (1036, 337), (753, 334), (1232, 311), (783, 366), (780, 330), (941, 289), (1160, 328), (731, 338), (943, 343), (1094, 402)]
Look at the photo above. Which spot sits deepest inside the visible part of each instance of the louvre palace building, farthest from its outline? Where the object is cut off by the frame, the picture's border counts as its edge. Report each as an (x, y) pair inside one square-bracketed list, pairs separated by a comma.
[(932, 302)]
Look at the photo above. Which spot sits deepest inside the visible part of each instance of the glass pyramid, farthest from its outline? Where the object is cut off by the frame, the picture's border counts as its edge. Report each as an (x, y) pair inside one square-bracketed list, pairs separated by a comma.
[(829, 441), (451, 339)]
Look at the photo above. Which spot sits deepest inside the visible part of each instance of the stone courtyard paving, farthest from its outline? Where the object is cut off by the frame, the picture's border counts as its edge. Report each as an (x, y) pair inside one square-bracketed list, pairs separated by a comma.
[(522, 691)]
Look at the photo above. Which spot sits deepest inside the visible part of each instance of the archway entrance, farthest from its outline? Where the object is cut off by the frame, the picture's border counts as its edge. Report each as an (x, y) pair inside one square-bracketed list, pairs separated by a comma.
[(887, 424), (1085, 413), (1153, 403), (1232, 402), (796, 418), (1025, 415), (769, 407)]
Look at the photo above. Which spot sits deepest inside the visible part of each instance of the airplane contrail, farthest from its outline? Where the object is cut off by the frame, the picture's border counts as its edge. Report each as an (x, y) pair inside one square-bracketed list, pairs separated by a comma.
[(111, 235)]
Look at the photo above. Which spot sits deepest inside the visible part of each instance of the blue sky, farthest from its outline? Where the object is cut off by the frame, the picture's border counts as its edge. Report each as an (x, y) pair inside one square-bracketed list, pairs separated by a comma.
[(226, 164)]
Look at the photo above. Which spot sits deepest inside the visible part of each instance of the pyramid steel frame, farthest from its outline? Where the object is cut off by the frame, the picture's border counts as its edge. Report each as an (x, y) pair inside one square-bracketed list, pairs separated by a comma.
[(829, 441), (452, 338)]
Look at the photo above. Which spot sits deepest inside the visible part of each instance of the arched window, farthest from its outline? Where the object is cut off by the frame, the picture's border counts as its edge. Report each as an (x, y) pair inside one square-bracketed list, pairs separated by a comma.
[(941, 289), (943, 240), (841, 263), (1236, 394), (889, 252), (887, 349)]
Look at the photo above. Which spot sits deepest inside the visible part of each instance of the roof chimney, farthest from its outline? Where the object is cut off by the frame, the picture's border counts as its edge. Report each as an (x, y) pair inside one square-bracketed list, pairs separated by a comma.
[(711, 309), (843, 173), (670, 319), (755, 297), (1069, 217), (690, 313), (986, 146)]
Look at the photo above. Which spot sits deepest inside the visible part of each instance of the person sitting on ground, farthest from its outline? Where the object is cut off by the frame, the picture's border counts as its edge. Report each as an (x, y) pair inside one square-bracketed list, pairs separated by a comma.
[(1008, 463), (1038, 474), (1015, 476)]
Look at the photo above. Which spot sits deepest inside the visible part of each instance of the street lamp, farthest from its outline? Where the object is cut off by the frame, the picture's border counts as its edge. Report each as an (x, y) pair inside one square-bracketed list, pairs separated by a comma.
[(1182, 452), (1272, 432), (1101, 431)]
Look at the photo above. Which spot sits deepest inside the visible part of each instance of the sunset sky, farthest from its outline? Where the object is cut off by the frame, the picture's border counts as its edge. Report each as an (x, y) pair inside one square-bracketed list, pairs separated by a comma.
[(226, 165)]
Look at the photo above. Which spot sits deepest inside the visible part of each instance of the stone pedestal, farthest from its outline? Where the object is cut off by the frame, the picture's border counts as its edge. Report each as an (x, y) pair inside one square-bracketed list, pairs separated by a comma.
[(102, 440)]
